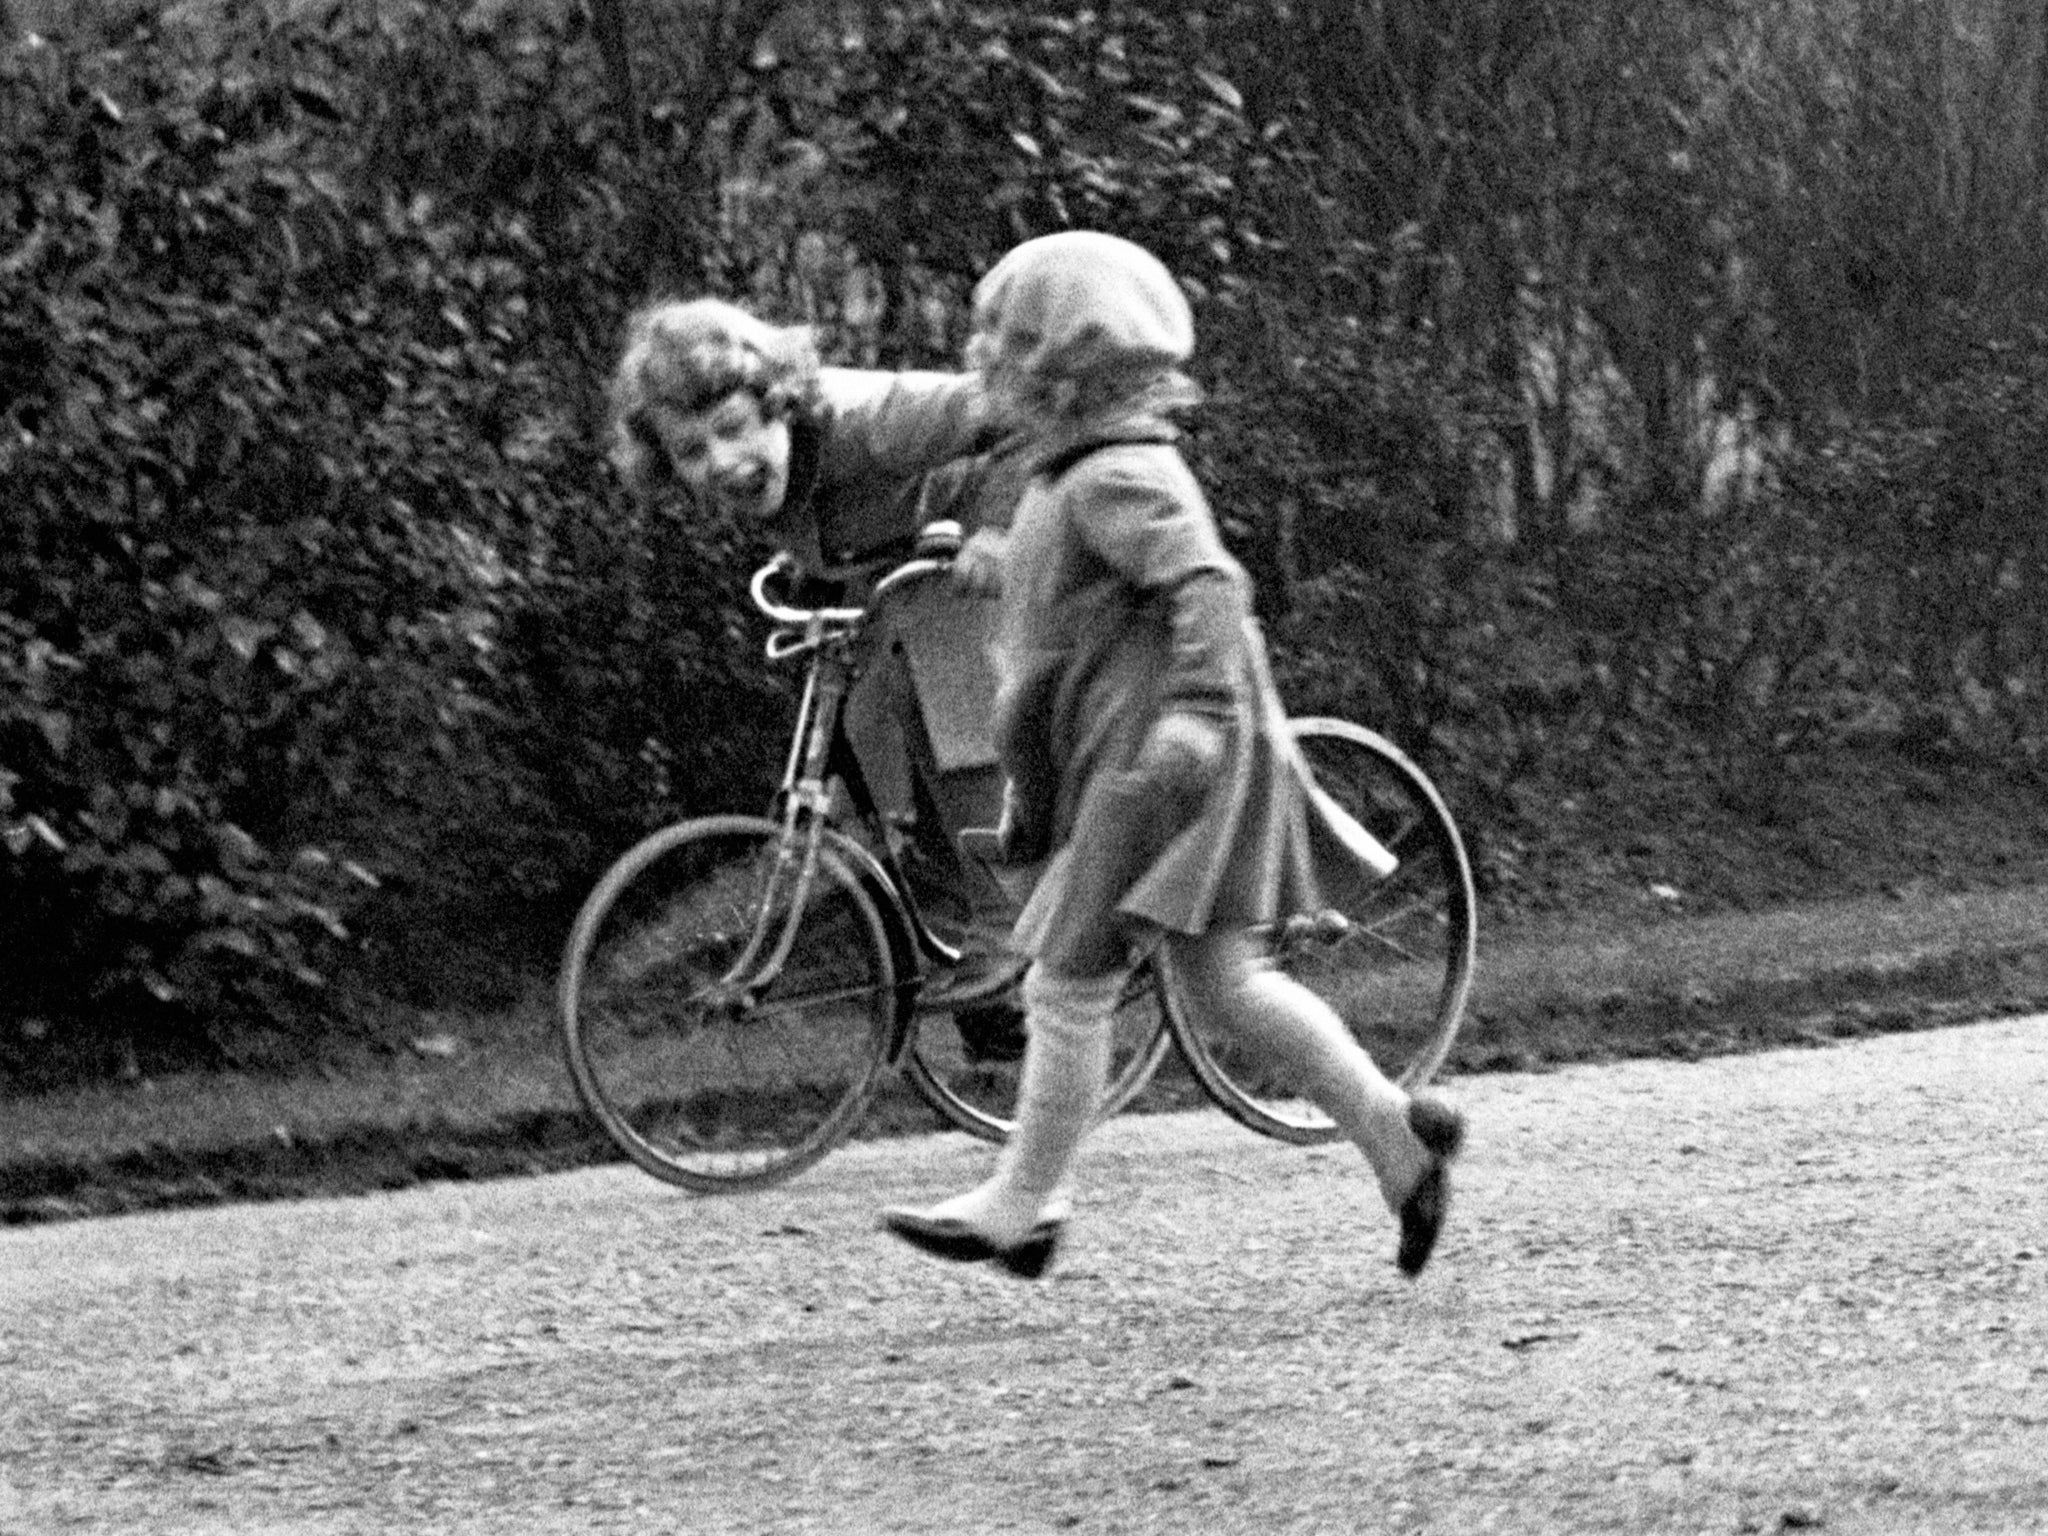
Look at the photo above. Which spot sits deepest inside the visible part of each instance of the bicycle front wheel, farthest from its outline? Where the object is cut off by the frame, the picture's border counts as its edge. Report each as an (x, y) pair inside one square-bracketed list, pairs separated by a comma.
[(726, 1022), (968, 1064), (1394, 959)]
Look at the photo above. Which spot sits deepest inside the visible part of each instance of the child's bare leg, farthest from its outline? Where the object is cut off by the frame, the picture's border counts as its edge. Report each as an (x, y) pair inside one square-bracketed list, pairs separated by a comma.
[(1229, 980), (1066, 1062)]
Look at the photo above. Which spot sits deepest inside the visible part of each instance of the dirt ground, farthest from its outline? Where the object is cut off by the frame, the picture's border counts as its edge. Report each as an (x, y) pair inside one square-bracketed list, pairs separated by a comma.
[(1790, 1290)]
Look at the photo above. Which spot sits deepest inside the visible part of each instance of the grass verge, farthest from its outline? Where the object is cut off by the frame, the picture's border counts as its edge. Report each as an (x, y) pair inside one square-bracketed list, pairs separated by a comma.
[(486, 1097)]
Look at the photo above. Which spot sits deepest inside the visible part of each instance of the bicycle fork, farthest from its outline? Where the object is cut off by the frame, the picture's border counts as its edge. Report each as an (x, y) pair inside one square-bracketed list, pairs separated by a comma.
[(806, 807)]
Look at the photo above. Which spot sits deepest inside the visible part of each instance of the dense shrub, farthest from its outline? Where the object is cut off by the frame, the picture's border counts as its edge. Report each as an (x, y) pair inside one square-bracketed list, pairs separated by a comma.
[(289, 479), (1936, 510), (169, 650)]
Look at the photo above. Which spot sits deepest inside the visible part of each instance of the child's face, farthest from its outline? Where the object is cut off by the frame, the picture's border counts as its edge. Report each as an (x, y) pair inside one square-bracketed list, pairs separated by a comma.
[(730, 456)]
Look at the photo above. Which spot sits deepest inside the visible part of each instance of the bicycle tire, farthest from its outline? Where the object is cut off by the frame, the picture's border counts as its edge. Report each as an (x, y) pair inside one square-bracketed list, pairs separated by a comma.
[(701, 1083), (1396, 965), (972, 1081)]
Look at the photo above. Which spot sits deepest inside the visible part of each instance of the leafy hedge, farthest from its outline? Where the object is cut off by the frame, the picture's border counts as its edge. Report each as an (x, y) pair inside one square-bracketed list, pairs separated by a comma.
[(314, 587)]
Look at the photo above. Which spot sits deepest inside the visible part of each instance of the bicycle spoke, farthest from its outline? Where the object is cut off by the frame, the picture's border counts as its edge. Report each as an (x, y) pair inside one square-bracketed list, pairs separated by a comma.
[(1379, 933)]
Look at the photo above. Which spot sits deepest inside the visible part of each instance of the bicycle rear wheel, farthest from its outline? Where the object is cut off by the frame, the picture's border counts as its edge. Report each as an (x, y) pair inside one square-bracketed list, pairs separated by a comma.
[(708, 1064), (1395, 959), (968, 1064)]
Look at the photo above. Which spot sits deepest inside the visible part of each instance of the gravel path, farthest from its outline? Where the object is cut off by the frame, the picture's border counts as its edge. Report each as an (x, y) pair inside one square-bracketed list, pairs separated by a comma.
[(1794, 1290)]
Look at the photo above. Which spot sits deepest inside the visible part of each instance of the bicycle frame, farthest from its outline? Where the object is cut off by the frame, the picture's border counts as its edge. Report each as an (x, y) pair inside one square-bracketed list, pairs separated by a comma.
[(836, 948), (820, 754)]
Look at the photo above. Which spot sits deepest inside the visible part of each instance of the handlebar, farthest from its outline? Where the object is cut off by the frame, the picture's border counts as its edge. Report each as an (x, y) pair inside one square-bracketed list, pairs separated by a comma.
[(937, 544)]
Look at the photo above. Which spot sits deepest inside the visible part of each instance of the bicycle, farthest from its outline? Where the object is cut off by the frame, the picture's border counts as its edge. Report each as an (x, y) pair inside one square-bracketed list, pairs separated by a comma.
[(735, 988)]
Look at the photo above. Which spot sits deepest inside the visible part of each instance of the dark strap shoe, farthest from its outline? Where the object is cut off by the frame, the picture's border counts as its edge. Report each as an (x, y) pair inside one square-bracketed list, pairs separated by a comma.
[(943, 1237), (1441, 1130)]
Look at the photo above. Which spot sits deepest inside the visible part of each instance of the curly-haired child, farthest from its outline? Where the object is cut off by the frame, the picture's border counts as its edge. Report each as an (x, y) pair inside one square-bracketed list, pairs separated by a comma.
[(833, 464)]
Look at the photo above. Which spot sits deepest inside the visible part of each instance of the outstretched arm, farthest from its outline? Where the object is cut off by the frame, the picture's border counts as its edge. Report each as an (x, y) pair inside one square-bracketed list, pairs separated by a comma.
[(879, 434)]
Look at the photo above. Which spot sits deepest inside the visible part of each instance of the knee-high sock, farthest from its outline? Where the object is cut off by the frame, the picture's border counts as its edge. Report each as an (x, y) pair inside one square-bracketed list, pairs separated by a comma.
[(1066, 1061), (1224, 976)]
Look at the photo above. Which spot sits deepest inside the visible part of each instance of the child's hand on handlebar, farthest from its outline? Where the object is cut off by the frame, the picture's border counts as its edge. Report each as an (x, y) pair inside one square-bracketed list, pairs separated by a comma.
[(978, 568)]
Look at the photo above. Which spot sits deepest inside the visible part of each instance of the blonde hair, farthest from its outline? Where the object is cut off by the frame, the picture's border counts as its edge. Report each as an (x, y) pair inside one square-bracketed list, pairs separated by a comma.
[(687, 355)]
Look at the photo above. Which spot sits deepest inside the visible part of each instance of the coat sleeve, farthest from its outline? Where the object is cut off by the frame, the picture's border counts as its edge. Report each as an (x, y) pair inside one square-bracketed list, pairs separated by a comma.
[(1141, 513), (884, 432)]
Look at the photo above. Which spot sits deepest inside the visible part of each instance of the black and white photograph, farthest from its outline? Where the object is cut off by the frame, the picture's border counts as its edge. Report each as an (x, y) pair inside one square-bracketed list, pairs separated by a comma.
[(968, 766)]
